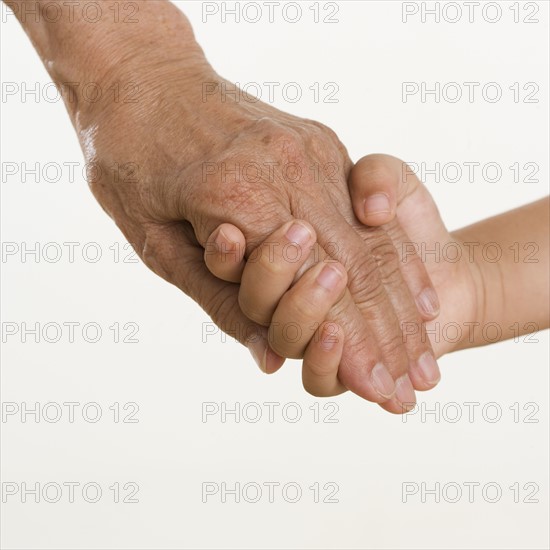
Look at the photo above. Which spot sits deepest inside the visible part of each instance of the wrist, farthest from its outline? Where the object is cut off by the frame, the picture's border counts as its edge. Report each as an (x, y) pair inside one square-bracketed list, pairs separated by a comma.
[(92, 53), (138, 84), (485, 286)]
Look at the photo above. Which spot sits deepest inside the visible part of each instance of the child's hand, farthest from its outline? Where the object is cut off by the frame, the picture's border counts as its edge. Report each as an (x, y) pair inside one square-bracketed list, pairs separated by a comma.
[(491, 277), (278, 291)]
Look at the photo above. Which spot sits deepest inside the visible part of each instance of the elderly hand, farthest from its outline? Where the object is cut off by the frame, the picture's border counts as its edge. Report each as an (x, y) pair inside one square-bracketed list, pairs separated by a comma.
[(177, 158)]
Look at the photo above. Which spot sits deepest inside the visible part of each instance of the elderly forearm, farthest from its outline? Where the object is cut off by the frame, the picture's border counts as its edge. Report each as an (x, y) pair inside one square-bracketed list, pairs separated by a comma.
[(123, 41)]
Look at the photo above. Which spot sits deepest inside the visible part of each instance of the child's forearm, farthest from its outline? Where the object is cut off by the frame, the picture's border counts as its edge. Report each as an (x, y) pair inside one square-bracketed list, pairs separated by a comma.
[(510, 262)]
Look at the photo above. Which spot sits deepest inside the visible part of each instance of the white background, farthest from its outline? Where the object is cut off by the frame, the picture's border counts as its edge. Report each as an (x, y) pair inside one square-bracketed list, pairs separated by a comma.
[(170, 452)]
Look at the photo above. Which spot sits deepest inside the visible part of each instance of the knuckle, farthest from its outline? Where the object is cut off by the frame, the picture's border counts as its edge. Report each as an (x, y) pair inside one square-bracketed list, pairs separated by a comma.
[(251, 309), (276, 134), (378, 171), (384, 252), (392, 343), (285, 348), (328, 136), (387, 259), (381, 245), (366, 282), (288, 150), (269, 265), (320, 369), (304, 309), (325, 130)]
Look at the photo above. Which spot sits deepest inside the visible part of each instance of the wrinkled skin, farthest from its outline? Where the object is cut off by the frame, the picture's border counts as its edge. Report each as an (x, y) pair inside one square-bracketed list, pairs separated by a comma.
[(459, 283)]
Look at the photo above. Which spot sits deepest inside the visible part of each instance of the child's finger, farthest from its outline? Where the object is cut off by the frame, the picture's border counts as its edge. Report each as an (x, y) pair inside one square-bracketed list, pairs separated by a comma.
[(224, 253), (304, 306), (373, 190), (321, 361), (272, 267)]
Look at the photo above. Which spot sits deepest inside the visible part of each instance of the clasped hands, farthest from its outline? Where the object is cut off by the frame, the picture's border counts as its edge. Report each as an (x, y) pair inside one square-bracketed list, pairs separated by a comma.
[(199, 175), (239, 178), (262, 218)]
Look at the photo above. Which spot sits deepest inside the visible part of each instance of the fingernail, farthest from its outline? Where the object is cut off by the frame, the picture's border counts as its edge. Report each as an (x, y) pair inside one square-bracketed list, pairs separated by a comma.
[(223, 242), (329, 277), (258, 350), (404, 393), (382, 381), (429, 369), (298, 233), (272, 361), (428, 302), (221, 238), (377, 204)]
